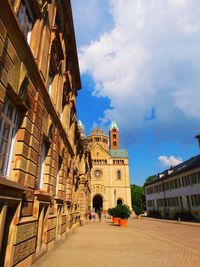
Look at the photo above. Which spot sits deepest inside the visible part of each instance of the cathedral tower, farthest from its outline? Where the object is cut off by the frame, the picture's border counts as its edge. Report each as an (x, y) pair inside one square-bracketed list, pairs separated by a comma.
[(110, 180), (114, 136)]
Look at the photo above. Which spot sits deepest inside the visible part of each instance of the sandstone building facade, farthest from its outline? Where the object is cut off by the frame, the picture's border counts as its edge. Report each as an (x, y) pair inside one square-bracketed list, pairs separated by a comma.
[(44, 163), (110, 183)]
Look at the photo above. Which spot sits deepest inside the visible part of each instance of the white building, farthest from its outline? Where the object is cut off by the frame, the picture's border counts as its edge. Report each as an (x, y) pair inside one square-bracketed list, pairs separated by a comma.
[(175, 193)]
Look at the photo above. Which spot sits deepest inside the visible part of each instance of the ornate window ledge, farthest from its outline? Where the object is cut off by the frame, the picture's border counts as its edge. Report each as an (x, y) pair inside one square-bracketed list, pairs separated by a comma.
[(11, 189), (43, 196)]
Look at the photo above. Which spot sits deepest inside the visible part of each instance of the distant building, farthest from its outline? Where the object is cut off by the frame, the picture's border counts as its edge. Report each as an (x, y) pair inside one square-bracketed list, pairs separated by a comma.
[(44, 161), (175, 193), (110, 183)]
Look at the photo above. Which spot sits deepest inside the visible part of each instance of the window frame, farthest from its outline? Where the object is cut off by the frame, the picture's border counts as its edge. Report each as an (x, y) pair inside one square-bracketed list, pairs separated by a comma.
[(60, 161), (26, 19), (119, 175), (44, 152), (13, 126)]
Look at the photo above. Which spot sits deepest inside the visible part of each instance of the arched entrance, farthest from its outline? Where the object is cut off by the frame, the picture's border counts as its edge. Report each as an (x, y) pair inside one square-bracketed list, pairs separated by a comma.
[(119, 201), (97, 203)]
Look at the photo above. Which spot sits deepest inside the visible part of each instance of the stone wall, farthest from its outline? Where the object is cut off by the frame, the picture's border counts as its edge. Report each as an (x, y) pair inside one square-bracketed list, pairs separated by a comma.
[(39, 76)]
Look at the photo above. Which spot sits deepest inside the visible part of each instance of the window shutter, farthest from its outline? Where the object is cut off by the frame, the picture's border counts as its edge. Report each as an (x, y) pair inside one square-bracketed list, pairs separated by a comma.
[(45, 51)]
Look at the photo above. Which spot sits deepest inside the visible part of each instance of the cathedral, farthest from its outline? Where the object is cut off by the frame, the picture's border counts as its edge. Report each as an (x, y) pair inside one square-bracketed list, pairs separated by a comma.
[(110, 183)]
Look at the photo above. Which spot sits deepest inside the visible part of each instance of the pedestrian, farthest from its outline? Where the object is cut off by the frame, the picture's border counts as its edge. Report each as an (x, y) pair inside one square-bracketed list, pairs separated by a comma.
[(99, 213), (93, 216), (90, 216)]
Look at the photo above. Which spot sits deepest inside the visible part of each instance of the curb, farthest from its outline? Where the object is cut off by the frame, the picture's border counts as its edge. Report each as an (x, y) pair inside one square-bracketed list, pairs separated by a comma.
[(197, 224)]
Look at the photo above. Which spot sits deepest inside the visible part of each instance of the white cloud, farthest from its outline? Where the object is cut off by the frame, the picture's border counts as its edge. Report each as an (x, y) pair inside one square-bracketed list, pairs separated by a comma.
[(91, 19), (178, 3), (170, 161), (150, 59)]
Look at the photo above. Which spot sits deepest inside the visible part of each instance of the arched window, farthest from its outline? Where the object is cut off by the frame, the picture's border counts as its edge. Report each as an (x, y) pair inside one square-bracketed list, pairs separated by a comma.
[(118, 174), (114, 136)]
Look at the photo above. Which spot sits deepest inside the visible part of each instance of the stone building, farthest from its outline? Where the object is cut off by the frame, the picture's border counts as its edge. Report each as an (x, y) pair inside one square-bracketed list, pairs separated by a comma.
[(110, 183), (44, 163)]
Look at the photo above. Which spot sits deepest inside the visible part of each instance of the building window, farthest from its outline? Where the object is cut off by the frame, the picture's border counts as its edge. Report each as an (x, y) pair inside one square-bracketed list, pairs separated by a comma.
[(114, 143), (97, 139), (118, 175), (60, 160), (198, 177), (98, 173), (193, 178), (8, 126), (114, 136), (51, 76), (45, 148), (181, 202), (195, 200), (26, 19)]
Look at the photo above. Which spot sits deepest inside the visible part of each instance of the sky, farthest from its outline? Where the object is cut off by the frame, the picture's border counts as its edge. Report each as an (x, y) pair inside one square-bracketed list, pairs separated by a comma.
[(140, 66)]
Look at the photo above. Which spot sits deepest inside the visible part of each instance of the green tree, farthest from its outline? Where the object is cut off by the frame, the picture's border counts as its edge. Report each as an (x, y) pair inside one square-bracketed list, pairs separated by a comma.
[(150, 178), (138, 199)]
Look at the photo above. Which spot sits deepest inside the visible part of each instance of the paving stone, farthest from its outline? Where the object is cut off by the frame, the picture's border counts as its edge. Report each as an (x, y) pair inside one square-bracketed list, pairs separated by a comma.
[(143, 242)]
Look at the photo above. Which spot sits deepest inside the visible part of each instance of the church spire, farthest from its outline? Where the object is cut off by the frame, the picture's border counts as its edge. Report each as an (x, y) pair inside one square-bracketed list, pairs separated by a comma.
[(113, 126), (114, 136)]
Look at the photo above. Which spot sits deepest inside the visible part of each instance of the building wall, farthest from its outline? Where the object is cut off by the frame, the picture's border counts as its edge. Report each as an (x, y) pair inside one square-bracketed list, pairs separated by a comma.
[(180, 197), (41, 151)]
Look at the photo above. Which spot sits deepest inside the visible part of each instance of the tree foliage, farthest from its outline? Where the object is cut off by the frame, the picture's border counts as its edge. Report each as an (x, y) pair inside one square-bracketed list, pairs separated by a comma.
[(138, 199), (150, 178)]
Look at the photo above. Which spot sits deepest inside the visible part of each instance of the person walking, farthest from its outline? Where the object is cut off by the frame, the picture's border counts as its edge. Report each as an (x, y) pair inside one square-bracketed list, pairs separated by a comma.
[(93, 216), (99, 213)]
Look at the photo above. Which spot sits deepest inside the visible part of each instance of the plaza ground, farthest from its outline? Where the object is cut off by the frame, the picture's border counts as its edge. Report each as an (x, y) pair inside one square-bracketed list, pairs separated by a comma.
[(143, 242)]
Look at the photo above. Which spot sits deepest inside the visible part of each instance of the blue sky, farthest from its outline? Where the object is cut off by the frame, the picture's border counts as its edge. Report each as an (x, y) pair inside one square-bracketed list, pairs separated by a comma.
[(140, 65)]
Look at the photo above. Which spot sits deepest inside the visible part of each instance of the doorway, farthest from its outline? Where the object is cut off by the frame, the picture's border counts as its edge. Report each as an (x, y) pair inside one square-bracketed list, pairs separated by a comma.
[(119, 202), (7, 214), (97, 203)]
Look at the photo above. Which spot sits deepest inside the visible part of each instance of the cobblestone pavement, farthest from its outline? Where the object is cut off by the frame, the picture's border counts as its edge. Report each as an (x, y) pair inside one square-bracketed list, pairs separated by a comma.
[(142, 243)]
